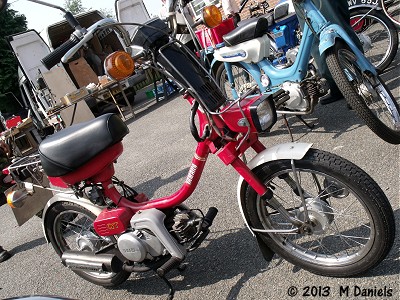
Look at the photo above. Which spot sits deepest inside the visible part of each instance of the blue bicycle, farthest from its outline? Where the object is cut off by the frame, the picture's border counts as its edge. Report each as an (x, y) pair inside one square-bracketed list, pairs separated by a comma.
[(247, 56)]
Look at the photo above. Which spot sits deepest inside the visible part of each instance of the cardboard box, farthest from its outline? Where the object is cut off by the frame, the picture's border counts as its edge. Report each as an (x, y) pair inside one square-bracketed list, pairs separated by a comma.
[(82, 72), (74, 96)]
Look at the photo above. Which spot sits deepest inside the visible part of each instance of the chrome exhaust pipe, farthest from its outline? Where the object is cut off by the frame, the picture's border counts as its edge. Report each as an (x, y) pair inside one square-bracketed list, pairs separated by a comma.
[(89, 261)]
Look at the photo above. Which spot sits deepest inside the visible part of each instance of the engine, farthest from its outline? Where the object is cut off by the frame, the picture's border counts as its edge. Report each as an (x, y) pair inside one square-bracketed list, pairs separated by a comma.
[(154, 234), (297, 99), (140, 245)]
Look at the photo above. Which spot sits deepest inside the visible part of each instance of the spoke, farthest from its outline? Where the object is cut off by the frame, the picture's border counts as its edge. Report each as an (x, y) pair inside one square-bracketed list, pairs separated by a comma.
[(340, 214), (338, 234), (323, 247), (317, 183), (356, 237)]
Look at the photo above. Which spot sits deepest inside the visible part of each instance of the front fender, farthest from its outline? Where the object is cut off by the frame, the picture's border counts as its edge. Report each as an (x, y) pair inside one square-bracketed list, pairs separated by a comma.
[(64, 197), (328, 38), (294, 151)]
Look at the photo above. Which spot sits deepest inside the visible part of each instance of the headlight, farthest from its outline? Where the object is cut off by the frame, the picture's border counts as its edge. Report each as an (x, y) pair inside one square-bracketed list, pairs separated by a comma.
[(263, 113)]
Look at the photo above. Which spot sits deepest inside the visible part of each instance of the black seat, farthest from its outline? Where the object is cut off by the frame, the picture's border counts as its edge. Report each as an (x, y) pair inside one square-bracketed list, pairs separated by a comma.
[(67, 150), (251, 29)]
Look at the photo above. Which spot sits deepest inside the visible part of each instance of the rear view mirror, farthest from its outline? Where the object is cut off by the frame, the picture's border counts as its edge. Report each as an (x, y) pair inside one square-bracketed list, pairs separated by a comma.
[(3, 4)]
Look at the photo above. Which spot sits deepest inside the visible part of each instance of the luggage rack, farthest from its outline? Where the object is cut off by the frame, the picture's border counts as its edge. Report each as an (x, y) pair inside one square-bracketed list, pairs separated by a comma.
[(26, 167)]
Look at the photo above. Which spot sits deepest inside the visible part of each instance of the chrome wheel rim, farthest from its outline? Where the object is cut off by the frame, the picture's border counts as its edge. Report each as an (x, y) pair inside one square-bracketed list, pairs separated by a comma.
[(345, 231), (374, 95)]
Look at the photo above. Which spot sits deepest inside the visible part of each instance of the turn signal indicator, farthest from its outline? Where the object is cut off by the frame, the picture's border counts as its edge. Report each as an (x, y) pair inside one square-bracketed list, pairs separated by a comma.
[(212, 16), (119, 65)]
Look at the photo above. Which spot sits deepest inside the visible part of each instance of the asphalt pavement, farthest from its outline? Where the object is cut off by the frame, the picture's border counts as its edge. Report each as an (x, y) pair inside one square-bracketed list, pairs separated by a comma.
[(228, 265)]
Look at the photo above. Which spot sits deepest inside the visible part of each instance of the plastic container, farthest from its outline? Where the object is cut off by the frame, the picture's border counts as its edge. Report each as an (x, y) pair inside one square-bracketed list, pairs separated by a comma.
[(150, 94), (13, 122)]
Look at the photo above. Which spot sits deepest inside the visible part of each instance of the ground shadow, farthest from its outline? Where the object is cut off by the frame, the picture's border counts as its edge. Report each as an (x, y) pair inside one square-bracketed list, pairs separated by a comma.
[(28, 245)]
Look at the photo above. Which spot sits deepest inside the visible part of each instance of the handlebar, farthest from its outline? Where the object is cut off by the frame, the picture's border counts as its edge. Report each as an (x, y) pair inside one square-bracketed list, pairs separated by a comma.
[(55, 57)]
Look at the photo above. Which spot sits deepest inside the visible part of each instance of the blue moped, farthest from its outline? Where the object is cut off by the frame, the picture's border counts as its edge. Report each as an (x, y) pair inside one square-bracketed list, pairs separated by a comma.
[(247, 53)]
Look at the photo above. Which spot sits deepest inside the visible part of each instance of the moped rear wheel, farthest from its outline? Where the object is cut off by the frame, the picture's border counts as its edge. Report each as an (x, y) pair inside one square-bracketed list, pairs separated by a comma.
[(367, 94), (352, 220), (70, 227), (378, 35), (392, 9), (242, 80)]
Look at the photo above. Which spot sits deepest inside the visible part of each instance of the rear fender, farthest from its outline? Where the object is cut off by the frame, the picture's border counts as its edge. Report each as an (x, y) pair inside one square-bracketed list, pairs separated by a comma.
[(66, 197)]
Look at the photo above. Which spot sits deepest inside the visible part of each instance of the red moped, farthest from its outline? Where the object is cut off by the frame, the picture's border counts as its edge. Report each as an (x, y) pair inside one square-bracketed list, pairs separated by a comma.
[(313, 208)]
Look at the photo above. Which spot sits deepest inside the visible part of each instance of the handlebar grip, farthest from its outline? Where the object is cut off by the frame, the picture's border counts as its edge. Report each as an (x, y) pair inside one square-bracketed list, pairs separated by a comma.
[(54, 57), (72, 21)]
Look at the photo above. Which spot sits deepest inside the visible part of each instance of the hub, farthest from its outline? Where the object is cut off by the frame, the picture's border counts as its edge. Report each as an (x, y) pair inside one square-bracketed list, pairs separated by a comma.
[(320, 214)]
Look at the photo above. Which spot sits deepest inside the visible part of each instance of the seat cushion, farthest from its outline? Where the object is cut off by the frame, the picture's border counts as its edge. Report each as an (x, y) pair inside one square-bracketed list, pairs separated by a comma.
[(68, 149)]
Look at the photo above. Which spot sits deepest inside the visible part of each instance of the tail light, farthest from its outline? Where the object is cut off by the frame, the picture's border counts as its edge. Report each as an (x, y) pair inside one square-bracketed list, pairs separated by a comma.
[(16, 199)]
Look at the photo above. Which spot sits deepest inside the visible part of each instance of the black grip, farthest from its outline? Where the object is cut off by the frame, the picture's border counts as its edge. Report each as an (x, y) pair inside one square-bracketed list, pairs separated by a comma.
[(72, 21), (210, 215), (54, 57)]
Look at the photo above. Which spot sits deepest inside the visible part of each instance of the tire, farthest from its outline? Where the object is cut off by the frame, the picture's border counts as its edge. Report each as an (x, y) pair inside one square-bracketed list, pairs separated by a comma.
[(58, 223), (378, 34), (373, 102), (243, 81), (391, 9), (353, 222)]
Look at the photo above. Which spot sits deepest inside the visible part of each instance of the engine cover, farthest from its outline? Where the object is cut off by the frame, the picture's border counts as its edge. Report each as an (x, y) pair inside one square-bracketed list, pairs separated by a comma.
[(291, 55), (297, 99), (139, 245), (112, 221)]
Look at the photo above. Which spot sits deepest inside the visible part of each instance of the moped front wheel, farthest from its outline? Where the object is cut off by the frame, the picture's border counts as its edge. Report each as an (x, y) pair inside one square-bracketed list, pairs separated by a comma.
[(366, 94), (70, 227), (352, 222)]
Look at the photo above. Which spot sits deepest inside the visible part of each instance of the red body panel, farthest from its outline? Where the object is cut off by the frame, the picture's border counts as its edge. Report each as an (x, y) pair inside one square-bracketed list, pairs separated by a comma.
[(113, 221), (101, 165), (57, 181)]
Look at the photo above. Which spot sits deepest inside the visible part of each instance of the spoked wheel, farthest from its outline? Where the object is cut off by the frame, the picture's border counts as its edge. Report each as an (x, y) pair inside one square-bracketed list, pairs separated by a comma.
[(368, 95), (242, 80), (352, 222), (392, 10), (378, 35), (70, 227)]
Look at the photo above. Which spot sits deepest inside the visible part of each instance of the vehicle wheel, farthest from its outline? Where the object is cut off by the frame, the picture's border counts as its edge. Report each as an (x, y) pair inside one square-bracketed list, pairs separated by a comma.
[(70, 227), (242, 80), (378, 35), (352, 220), (367, 95), (392, 10)]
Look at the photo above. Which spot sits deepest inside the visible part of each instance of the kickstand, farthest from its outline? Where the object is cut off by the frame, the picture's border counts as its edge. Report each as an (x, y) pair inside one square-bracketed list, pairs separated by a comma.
[(285, 121), (171, 288), (311, 126)]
